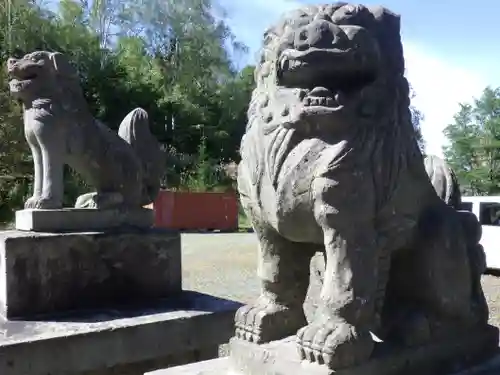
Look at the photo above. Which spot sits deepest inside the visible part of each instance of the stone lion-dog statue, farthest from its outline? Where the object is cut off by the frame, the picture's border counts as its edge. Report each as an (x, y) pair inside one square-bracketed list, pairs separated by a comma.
[(330, 163), (124, 168)]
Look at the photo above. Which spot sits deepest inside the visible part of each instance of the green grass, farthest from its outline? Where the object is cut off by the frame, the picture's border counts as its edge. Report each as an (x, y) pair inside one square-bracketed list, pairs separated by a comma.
[(243, 221), (7, 226)]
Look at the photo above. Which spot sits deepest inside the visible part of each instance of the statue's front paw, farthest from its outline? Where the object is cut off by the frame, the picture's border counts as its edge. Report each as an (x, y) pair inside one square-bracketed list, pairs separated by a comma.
[(267, 320), (30, 202), (334, 343), (47, 203)]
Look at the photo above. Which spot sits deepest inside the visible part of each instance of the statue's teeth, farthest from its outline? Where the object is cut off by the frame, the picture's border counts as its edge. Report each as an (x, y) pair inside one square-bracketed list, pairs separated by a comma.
[(318, 100)]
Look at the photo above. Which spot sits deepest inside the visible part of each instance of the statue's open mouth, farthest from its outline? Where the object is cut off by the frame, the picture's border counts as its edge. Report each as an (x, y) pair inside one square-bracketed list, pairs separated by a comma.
[(24, 81), (27, 77), (327, 77), (22, 74)]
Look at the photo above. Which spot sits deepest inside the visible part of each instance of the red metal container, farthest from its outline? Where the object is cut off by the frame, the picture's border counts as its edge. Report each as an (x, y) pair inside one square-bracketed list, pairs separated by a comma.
[(194, 210)]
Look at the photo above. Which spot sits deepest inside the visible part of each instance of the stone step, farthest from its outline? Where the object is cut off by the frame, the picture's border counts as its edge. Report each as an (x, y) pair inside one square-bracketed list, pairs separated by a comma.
[(218, 366), (183, 329), (221, 366)]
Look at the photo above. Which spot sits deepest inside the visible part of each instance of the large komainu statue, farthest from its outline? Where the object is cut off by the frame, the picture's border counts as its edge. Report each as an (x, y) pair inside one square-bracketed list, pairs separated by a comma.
[(330, 163), (125, 168)]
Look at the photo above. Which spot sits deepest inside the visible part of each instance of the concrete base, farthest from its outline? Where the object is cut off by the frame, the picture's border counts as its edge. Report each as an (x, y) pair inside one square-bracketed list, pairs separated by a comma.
[(175, 331), (82, 219), (281, 358), (45, 272), (222, 366)]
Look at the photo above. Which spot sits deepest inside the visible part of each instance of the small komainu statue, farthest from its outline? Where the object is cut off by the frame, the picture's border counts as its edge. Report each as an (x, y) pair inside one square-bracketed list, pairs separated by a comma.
[(330, 163), (125, 168)]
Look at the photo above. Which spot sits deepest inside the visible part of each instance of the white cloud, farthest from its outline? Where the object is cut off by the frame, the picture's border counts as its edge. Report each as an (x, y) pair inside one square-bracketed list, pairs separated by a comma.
[(440, 86)]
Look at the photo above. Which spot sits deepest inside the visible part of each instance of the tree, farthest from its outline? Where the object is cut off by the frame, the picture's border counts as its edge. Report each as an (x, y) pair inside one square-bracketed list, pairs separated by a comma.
[(189, 45), (173, 58), (234, 99), (416, 119), (474, 150)]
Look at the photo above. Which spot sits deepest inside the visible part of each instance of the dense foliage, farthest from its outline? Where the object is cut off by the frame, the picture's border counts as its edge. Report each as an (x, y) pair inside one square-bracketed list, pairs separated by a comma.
[(474, 144), (172, 58)]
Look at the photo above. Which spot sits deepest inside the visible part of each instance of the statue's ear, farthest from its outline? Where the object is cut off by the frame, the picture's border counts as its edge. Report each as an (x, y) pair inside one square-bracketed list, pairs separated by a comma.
[(61, 64)]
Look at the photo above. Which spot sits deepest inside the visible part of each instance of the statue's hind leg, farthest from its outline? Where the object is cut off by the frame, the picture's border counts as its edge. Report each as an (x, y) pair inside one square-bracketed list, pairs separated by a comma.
[(339, 335), (450, 262), (99, 200), (284, 272)]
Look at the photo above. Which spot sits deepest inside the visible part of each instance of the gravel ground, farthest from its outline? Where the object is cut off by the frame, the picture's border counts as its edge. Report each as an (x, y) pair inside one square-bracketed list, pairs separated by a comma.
[(491, 287), (224, 265)]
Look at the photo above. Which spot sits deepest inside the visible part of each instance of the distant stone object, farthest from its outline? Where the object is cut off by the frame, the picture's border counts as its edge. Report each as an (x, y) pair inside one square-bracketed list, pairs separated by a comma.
[(330, 164), (444, 180), (124, 168)]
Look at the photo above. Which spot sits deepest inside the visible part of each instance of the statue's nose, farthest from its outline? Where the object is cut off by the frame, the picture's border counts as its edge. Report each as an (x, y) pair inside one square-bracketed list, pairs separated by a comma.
[(320, 33)]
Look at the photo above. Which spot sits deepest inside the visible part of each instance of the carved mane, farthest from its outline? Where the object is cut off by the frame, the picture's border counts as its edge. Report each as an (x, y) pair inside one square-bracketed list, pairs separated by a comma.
[(389, 139)]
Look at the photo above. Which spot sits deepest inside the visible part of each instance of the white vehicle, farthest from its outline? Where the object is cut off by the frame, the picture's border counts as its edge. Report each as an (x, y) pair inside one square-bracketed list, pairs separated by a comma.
[(487, 210)]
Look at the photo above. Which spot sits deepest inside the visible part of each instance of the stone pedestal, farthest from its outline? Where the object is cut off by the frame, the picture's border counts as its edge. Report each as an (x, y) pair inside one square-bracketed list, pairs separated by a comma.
[(82, 219), (221, 366), (128, 341), (470, 355), (43, 273), (441, 357), (102, 303)]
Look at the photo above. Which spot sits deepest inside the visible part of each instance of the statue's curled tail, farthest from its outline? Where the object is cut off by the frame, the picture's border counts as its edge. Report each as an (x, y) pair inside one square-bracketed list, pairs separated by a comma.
[(135, 130), (444, 180)]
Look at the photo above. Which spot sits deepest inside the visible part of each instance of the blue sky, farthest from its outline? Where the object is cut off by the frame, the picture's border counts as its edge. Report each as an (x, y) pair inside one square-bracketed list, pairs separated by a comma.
[(452, 49)]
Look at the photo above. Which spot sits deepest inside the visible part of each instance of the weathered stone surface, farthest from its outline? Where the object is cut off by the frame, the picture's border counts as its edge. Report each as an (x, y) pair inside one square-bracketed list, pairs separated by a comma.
[(124, 168), (446, 185), (330, 164), (173, 331), (312, 301), (225, 365), (444, 180), (82, 219), (46, 272), (218, 366), (441, 357)]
